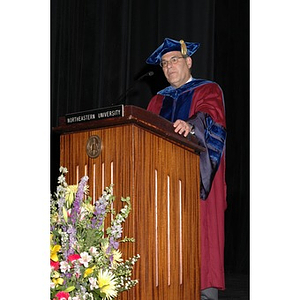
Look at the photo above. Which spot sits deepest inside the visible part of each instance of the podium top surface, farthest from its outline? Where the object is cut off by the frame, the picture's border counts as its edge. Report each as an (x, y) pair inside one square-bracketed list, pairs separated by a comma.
[(123, 115)]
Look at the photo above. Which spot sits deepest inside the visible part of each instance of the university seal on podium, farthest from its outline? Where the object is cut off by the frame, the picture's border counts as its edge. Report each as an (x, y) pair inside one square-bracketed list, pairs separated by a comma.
[(93, 146)]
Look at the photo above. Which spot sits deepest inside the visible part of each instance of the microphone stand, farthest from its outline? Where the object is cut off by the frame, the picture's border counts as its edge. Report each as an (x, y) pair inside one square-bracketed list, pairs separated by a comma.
[(119, 100)]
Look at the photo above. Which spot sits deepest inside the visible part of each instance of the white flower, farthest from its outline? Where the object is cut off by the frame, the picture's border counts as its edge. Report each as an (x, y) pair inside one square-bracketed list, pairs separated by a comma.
[(61, 179), (63, 170), (64, 266), (85, 259), (107, 284), (93, 251), (93, 282), (60, 189)]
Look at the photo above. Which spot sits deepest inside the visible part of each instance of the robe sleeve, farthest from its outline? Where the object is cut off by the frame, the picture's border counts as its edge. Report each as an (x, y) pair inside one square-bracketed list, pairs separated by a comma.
[(208, 119), (211, 136)]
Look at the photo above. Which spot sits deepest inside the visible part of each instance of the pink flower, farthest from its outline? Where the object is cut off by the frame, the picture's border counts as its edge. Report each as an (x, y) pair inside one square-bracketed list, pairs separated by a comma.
[(62, 296), (54, 265), (73, 257)]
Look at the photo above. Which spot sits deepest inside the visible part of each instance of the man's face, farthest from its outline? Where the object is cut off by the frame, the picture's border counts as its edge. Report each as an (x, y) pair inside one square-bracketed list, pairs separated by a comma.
[(178, 72)]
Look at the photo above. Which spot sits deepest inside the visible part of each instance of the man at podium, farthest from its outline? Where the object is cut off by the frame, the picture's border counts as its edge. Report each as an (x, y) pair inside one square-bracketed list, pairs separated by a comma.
[(196, 106)]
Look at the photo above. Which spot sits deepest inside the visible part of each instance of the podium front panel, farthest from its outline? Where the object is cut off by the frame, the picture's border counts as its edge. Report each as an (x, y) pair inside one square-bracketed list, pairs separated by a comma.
[(162, 179)]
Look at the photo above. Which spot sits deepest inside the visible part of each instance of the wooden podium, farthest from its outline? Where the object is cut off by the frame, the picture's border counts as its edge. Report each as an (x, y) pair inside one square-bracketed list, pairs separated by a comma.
[(159, 170)]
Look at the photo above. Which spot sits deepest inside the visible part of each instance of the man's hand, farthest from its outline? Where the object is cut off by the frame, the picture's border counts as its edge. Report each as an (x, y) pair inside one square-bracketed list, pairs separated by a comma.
[(182, 127)]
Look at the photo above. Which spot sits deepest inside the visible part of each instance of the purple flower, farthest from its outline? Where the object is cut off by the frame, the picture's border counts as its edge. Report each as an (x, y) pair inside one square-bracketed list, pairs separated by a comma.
[(100, 211), (116, 230), (113, 243), (79, 197), (72, 239)]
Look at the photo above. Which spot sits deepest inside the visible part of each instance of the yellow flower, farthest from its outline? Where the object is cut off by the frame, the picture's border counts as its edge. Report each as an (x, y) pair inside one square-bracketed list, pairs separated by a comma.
[(70, 194), (53, 252), (56, 279), (88, 271), (54, 218), (65, 214), (107, 284), (89, 207), (117, 255)]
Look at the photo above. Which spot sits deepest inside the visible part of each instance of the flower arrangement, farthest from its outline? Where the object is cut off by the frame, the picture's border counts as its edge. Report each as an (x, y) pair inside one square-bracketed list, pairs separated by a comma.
[(84, 256)]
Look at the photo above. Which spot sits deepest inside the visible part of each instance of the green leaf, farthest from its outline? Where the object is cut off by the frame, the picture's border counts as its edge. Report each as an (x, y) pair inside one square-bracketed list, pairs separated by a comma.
[(96, 292), (70, 289)]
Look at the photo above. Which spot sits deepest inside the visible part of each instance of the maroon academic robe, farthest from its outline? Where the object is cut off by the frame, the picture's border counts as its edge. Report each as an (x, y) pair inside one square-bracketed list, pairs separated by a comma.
[(208, 98)]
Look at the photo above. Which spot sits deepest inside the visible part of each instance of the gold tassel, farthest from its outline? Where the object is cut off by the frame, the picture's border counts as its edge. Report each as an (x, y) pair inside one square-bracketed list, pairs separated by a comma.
[(183, 48)]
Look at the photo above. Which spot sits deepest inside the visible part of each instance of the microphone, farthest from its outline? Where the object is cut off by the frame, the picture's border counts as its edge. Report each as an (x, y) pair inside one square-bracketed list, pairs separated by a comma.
[(150, 73), (120, 99)]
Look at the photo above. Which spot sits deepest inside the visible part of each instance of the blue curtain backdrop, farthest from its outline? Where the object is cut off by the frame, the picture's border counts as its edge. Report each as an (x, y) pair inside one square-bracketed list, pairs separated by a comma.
[(99, 48)]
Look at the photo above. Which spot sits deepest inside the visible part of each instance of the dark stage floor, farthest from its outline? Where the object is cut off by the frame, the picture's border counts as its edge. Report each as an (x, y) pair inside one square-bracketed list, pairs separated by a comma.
[(237, 287)]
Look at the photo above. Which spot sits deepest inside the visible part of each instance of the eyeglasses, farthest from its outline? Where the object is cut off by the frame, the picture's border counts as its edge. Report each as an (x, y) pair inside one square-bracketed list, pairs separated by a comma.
[(173, 61)]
